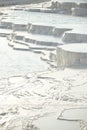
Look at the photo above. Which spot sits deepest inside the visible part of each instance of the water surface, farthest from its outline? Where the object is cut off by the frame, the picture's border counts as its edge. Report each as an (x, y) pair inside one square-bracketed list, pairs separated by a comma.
[(44, 18), (75, 114), (51, 123), (14, 62)]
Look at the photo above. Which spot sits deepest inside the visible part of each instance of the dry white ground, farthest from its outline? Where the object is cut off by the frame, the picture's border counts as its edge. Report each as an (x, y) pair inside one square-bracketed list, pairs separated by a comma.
[(34, 95)]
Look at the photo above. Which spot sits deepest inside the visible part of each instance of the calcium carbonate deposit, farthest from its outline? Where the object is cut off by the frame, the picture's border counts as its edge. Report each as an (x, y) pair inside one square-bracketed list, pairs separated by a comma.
[(43, 66)]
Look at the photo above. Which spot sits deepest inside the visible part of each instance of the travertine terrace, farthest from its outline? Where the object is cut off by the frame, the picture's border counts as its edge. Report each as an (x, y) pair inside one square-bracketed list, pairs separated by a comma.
[(43, 66)]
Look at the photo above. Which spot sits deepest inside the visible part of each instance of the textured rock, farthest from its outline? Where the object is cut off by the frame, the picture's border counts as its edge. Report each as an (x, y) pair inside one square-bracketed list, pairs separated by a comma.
[(68, 55), (19, 27), (73, 37), (83, 5), (59, 31), (79, 11), (21, 124), (6, 24), (40, 29)]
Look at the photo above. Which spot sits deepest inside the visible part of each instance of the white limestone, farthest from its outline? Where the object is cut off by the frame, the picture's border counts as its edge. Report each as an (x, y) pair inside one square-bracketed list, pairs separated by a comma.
[(79, 11), (19, 27), (72, 54), (25, 99), (79, 34)]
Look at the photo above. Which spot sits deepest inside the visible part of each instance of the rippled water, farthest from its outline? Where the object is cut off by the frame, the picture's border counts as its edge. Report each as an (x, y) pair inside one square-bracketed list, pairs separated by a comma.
[(14, 62)]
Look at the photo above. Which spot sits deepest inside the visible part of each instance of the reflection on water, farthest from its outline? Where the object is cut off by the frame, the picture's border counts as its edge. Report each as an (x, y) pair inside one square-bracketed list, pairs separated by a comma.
[(51, 123), (18, 62)]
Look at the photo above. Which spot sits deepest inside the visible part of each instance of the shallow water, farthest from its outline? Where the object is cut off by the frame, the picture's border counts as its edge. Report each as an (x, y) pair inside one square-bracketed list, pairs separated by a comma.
[(38, 17), (14, 62), (51, 123), (75, 114), (17, 63)]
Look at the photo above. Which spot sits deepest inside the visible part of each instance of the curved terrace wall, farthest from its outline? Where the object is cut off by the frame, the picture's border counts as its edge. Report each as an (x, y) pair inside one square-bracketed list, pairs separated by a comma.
[(59, 31), (67, 35), (36, 39), (67, 58), (6, 24), (79, 11), (47, 30), (83, 5), (19, 27), (40, 29), (43, 40), (73, 37)]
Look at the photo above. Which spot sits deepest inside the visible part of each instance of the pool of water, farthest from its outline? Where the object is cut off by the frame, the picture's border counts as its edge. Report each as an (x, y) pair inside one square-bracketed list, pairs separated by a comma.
[(17, 63), (14, 62), (44, 18), (75, 114), (51, 123)]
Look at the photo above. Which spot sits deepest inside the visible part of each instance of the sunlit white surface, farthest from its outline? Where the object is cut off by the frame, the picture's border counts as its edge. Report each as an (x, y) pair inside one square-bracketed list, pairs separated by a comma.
[(76, 47), (18, 62)]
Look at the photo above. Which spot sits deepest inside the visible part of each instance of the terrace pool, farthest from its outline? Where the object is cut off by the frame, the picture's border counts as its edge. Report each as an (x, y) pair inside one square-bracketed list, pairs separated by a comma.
[(14, 62), (43, 18)]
